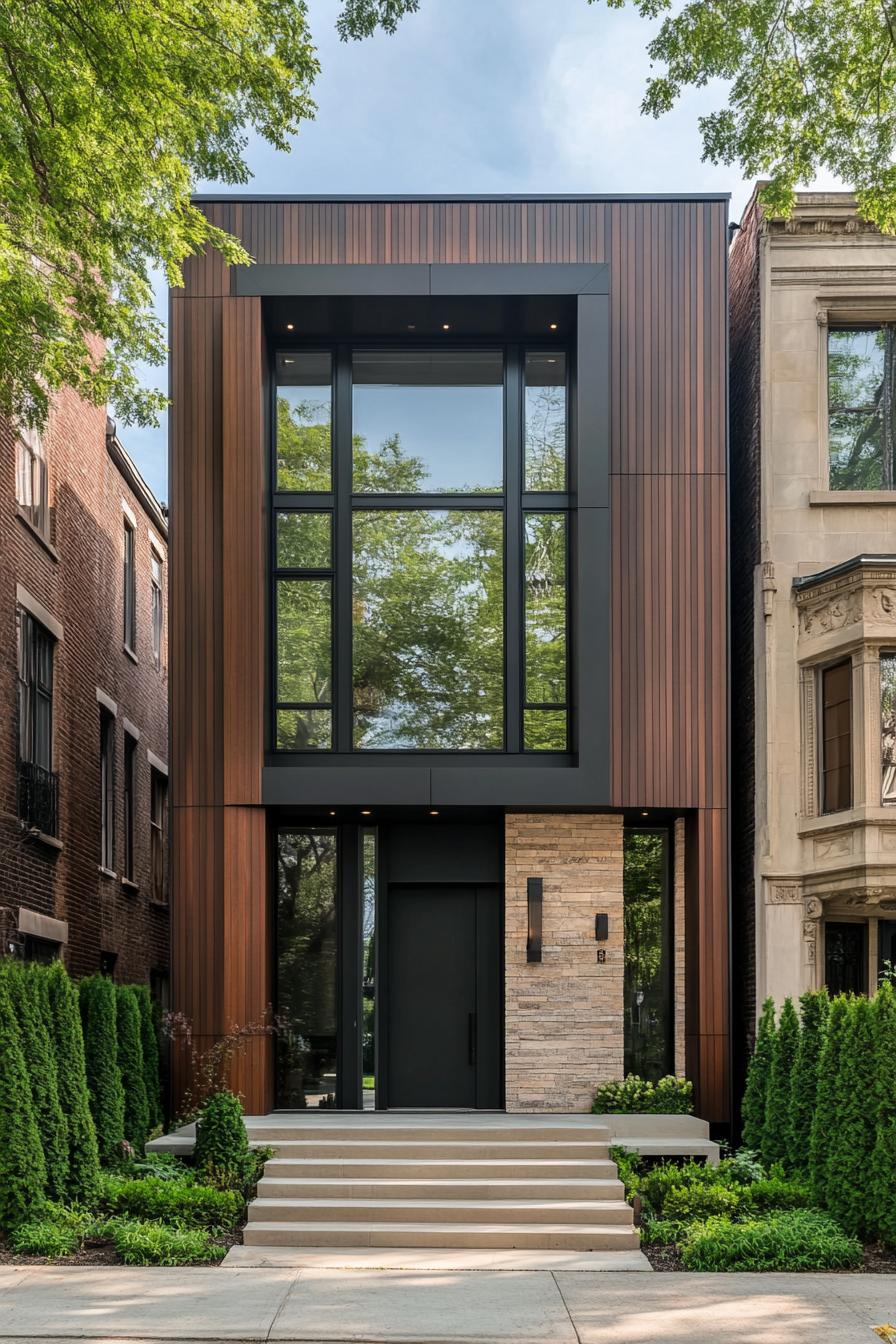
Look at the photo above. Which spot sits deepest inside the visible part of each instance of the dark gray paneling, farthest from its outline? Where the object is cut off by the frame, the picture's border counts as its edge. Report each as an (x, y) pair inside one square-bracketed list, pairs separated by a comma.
[(443, 852), (359, 279), (519, 278)]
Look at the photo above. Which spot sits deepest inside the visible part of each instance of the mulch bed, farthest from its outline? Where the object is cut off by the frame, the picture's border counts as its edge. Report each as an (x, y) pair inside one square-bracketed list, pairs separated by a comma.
[(878, 1260)]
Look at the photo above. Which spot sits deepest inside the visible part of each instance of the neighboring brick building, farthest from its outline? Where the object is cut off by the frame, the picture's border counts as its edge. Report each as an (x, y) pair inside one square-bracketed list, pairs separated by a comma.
[(83, 701)]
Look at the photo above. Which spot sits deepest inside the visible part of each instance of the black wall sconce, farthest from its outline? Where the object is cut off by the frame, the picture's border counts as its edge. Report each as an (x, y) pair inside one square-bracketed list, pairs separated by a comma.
[(601, 928), (534, 891)]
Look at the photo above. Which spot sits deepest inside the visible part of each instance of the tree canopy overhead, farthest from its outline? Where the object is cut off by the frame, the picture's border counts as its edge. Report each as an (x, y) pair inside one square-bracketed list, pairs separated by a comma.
[(812, 88), (109, 115)]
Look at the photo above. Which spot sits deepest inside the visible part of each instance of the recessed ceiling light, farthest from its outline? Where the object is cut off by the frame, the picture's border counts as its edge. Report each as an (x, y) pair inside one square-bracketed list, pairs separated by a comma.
[(289, 326), (412, 326), (553, 326), (645, 814), (289, 361), (365, 811), (433, 811), (446, 326), (332, 814)]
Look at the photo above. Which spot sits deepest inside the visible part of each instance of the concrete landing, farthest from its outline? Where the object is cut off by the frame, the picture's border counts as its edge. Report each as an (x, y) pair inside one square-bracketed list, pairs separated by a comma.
[(430, 1261)]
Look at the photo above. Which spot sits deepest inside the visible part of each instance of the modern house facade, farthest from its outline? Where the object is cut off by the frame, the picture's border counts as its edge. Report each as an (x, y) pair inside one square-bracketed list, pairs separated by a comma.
[(84, 745), (449, 675), (814, 600)]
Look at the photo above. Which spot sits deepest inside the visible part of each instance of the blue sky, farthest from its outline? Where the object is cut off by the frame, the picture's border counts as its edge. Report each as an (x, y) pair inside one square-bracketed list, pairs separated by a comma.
[(479, 96)]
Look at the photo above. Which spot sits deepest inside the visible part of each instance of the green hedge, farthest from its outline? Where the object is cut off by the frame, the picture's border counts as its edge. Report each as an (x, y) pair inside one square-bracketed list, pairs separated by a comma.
[(149, 1040), (99, 1015), (130, 1066), (23, 1172), (178, 1202), (222, 1153), (60, 998), (821, 1100), (27, 1004)]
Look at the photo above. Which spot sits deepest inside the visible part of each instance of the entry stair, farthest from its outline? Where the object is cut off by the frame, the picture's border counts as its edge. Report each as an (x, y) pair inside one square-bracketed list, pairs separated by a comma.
[(463, 1182)]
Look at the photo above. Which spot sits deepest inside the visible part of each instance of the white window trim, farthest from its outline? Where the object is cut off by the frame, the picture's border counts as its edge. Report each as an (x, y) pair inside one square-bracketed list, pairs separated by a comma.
[(39, 612), (129, 514), (156, 763), (107, 702), (157, 544)]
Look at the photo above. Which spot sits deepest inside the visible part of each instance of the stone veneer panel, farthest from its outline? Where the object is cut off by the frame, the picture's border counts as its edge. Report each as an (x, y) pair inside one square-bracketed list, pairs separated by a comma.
[(564, 1014)]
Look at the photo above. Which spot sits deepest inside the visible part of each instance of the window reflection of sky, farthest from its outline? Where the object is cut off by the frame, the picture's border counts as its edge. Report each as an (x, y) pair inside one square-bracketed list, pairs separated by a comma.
[(456, 432)]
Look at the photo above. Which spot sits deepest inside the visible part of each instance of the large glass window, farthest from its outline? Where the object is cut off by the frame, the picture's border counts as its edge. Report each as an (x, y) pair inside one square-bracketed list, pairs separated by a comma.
[(420, 551), (306, 968), (861, 421), (647, 954), (428, 629), (368, 969), (428, 422), (888, 727)]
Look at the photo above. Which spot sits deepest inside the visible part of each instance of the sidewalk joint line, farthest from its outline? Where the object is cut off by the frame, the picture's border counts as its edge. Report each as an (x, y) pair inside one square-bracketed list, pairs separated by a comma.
[(575, 1329)]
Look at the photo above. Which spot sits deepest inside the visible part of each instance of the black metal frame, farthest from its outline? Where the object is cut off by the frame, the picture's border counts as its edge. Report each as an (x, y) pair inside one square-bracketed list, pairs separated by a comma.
[(579, 778), (341, 504), (667, 906)]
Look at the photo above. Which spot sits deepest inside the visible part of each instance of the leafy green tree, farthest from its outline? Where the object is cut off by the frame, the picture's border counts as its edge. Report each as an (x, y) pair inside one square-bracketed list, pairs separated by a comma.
[(23, 1172), (109, 114), (149, 1041), (777, 1105), (99, 1019), (804, 1089), (850, 1192), (23, 983), (882, 1209), (68, 1044), (130, 1066), (809, 89), (826, 1097), (758, 1073)]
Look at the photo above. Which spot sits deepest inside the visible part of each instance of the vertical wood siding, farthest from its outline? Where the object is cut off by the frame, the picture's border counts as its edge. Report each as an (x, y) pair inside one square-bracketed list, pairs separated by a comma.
[(669, 685)]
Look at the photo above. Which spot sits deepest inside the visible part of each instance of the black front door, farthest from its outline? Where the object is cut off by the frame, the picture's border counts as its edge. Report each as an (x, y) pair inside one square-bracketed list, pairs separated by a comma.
[(443, 1027)]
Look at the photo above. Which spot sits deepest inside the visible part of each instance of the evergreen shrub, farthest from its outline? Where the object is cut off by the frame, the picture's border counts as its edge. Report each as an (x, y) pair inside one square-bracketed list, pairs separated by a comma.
[(23, 1172), (64, 1020), (222, 1155), (882, 1209), (149, 1040), (179, 1203), (804, 1086), (148, 1243), (758, 1072), (776, 1129), (637, 1096), (130, 1067), (849, 1192), (98, 1015), (826, 1097), (23, 981)]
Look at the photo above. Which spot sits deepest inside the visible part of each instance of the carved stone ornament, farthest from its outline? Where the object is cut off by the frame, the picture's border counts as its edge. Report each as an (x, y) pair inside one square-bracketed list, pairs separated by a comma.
[(827, 615), (783, 893), (821, 317), (813, 908)]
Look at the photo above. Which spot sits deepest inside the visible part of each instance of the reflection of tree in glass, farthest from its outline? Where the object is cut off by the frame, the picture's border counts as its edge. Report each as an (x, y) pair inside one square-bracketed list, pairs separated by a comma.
[(861, 370), (646, 1009), (888, 726), (306, 961), (428, 623), (546, 608), (545, 438), (303, 440)]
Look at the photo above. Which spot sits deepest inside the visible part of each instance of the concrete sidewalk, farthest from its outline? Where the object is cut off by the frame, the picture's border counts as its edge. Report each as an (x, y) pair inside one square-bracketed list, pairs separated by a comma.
[(454, 1307)]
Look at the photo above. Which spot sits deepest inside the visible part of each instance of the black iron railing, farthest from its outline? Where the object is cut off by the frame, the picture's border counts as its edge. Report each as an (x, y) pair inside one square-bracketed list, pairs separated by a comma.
[(38, 798)]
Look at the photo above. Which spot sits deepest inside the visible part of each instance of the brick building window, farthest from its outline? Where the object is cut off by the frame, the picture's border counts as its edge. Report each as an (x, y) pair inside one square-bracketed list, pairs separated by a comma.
[(108, 961), (130, 784), (861, 410), (130, 586), (32, 484), (107, 789), (836, 737), (38, 785), (155, 579), (158, 824)]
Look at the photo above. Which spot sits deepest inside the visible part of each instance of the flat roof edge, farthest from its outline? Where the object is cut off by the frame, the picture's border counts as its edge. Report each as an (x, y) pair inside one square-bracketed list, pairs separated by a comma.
[(228, 198)]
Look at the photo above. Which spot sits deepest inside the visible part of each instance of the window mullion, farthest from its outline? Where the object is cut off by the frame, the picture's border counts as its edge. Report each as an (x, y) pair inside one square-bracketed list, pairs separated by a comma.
[(513, 552), (342, 438)]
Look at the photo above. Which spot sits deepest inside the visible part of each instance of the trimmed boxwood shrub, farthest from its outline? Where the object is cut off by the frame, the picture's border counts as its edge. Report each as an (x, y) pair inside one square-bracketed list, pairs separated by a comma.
[(753, 1108), (804, 1083), (802, 1239), (686, 1203), (222, 1153), (850, 1195), (882, 1212), (98, 1015), (825, 1100), (28, 1006), (68, 1042), (178, 1202), (637, 1096), (130, 1066), (23, 1172), (773, 1192), (776, 1130), (149, 1041)]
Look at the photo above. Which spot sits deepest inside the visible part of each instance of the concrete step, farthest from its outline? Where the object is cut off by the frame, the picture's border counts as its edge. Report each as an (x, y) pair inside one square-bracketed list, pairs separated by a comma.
[(505, 1236), (286, 1187), (470, 1168), (452, 1150), (442, 1211), (336, 1132)]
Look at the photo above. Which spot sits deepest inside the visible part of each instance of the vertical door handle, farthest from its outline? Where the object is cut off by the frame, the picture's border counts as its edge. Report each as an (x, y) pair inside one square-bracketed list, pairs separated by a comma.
[(471, 1037)]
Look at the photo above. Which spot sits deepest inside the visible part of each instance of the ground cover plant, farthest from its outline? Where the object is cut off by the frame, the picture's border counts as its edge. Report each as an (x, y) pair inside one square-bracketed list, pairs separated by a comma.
[(637, 1096)]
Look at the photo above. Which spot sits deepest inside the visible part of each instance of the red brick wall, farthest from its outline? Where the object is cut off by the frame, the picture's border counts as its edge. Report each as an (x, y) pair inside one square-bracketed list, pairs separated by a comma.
[(81, 586)]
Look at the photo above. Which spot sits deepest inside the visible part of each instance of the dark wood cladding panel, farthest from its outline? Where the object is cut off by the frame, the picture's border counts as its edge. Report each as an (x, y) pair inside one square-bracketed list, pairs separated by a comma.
[(669, 647), (707, 965), (244, 571)]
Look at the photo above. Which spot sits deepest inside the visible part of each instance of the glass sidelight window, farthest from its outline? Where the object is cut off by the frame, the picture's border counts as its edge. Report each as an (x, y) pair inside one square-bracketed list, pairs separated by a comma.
[(647, 919), (420, 551), (888, 727), (306, 968)]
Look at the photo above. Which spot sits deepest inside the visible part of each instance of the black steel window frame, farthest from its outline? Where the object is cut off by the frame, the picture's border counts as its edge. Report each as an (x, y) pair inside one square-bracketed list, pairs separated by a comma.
[(582, 777), (342, 503), (36, 654)]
